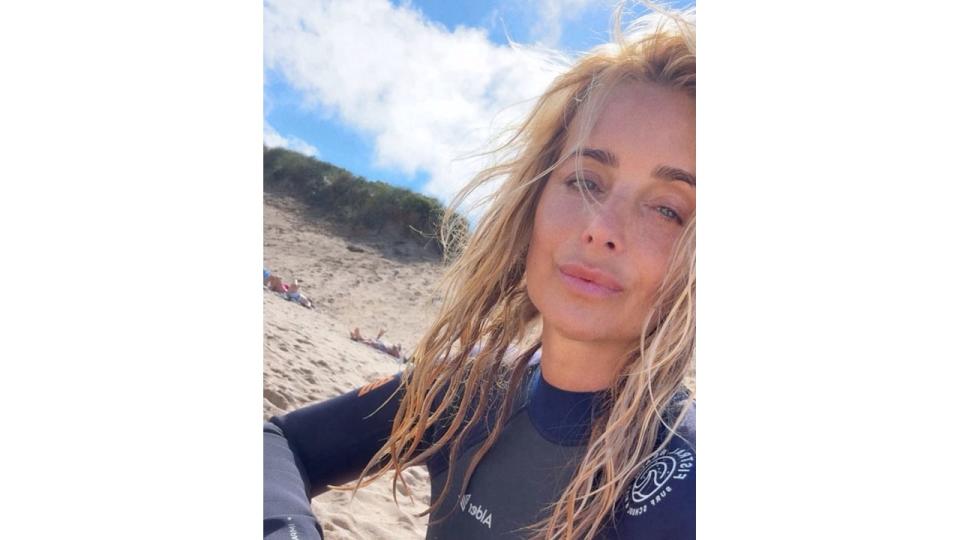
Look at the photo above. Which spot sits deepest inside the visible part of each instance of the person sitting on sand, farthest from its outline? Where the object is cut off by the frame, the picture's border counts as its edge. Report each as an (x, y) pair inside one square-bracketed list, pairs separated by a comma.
[(293, 291), (294, 295)]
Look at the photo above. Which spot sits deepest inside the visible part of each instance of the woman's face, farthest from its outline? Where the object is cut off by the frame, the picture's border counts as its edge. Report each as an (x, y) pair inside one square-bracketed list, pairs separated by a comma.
[(594, 263)]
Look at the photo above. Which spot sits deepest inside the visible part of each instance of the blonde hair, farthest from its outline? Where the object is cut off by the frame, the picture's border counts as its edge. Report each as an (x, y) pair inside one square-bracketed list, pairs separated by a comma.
[(464, 357)]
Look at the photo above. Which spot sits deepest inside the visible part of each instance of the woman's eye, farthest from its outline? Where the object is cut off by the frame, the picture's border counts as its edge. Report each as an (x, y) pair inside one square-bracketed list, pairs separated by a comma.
[(669, 213), (583, 183)]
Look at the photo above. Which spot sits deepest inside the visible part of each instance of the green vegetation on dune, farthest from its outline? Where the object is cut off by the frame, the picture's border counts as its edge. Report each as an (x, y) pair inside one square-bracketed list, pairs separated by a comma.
[(352, 200)]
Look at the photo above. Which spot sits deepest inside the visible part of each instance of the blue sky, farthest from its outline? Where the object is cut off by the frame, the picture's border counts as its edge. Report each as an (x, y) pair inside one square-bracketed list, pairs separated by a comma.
[(403, 91)]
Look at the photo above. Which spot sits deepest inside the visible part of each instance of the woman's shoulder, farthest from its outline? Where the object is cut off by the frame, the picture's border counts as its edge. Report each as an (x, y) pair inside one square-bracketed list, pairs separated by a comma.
[(660, 502)]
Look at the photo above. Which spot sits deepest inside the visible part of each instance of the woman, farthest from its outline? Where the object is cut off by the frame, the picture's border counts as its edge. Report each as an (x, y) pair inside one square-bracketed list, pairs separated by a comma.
[(549, 398)]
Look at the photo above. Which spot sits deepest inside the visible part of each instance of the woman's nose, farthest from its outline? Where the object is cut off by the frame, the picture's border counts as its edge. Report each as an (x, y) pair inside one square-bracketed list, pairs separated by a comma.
[(604, 228)]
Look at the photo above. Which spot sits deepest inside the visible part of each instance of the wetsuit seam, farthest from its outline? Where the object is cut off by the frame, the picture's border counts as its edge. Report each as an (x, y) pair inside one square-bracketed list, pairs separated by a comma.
[(549, 438)]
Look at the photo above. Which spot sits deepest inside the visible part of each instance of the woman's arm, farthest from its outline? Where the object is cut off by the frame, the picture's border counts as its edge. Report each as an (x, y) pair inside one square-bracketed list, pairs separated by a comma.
[(326, 443), (286, 506)]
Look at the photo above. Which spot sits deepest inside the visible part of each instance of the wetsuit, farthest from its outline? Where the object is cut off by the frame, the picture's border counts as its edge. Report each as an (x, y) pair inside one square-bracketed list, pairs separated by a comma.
[(532, 460)]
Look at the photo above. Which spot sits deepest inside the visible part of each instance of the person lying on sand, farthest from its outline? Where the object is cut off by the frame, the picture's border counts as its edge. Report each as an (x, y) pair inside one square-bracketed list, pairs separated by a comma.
[(392, 350), (288, 291)]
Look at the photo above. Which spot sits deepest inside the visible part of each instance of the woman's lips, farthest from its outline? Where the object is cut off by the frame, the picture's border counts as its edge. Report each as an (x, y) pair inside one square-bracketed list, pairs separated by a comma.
[(589, 281)]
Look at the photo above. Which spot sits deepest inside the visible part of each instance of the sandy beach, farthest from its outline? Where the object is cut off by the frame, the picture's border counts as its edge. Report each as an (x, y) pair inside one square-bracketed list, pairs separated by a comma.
[(355, 281)]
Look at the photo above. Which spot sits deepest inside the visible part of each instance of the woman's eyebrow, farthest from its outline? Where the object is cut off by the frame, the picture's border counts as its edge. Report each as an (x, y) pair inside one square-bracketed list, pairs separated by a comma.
[(603, 156), (666, 172)]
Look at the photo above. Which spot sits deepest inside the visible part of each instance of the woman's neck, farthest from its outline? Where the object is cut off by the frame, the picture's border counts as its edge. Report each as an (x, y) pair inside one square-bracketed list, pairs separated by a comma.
[(579, 366)]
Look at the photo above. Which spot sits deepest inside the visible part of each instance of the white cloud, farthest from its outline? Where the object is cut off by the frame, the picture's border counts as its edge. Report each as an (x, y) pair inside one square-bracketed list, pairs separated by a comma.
[(552, 15), (425, 95), (272, 139)]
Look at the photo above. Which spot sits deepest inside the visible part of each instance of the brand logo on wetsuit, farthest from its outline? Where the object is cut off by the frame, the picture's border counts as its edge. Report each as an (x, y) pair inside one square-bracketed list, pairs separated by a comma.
[(292, 530), (651, 485), (484, 516)]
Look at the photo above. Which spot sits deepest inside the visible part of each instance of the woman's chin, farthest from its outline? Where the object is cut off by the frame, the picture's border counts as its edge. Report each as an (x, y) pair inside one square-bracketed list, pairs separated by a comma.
[(571, 319), (579, 327)]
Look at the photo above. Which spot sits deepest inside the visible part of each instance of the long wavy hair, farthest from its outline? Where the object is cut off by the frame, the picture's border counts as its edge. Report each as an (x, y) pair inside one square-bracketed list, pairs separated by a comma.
[(468, 356)]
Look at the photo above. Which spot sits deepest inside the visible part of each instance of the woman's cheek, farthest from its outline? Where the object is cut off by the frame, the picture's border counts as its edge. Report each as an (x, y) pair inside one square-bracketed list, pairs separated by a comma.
[(558, 220), (563, 204), (653, 246), (655, 235)]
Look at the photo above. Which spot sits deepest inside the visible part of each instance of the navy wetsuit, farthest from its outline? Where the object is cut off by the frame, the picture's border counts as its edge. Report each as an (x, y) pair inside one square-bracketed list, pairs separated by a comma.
[(532, 460)]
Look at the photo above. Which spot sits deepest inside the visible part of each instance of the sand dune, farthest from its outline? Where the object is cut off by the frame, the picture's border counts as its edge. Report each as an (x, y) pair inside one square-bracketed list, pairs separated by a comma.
[(354, 281)]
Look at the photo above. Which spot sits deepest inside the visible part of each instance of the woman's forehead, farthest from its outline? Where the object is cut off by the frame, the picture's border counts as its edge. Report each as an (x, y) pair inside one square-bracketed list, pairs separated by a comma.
[(635, 117)]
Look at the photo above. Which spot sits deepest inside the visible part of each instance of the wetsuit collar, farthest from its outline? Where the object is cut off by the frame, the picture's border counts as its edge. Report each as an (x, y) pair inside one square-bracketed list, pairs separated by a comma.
[(560, 416)]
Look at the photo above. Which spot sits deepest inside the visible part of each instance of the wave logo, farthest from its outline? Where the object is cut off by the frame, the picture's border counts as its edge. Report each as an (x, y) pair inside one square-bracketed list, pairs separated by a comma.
[(650, 486), (652, 479)]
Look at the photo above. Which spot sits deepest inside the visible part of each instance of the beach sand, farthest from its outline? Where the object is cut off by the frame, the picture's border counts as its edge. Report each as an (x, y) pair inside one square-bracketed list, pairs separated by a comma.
[(360, 281)]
